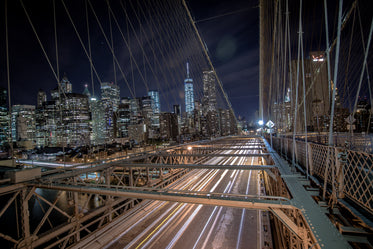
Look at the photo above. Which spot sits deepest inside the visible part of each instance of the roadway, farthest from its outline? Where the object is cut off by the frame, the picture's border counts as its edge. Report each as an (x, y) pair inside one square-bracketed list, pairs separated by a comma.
[(178, 225)]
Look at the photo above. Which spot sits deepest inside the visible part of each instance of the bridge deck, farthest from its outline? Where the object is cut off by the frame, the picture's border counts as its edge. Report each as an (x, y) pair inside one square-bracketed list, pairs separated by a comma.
[(325, 233)]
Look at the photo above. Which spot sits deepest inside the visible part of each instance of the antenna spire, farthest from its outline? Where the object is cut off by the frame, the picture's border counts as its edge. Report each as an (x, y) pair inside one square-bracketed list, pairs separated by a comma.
[(187, 70)]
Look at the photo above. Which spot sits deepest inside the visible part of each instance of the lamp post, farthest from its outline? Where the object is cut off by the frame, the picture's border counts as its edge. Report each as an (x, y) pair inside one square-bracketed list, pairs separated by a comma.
[(260, 123), (270, 125)]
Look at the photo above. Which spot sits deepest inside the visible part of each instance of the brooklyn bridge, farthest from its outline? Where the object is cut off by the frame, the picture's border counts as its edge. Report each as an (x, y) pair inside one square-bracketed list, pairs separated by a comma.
[(154, 151)]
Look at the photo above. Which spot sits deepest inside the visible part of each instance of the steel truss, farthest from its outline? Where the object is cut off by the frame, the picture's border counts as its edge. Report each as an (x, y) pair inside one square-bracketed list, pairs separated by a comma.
[(120, 184)]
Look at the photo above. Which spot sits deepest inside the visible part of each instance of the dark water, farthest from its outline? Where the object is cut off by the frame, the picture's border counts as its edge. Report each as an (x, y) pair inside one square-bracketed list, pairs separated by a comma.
[(10, 222)]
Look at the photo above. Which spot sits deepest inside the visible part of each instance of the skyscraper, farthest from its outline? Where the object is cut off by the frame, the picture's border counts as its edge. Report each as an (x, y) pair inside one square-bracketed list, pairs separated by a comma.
[(156, 105), (66, 86), (98, 124), (42, 97), (23, 123), (75, 127), (4, 117), (124, 117), (110, 93), (317, 92), (209, 92), (189, 95), (110, 98), (47, 119)]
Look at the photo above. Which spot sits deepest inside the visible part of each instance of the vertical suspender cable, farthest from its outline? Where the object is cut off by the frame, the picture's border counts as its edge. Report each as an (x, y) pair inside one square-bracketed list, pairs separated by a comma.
[(10, 138), (297, 82), (330, 139), (112, 45), (289, 49), (335, 73), (364, 66), (289, 52), (89, 47), (55, 40), (58, 77), (304, 100), (327, 50), (261, 56)]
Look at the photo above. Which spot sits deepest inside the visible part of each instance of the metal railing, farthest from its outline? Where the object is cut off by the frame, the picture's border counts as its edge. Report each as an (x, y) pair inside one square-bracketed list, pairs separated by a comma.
[(349, 173)]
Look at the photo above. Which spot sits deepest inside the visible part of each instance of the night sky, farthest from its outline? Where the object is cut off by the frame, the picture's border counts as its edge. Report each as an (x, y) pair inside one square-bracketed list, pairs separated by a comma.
[(230, 32)]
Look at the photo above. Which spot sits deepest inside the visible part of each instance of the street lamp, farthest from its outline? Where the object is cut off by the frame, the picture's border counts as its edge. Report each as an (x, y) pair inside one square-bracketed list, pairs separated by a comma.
[(270, 125), (260, 123)]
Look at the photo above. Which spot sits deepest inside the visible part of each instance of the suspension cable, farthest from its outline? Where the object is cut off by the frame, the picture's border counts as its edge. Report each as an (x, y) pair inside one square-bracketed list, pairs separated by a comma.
[(89, 47), (209, 61), (10, 135)]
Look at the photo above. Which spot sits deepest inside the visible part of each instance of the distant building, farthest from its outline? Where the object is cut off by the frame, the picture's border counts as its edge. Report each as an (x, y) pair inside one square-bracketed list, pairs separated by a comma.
[(136, 115), (4, 116), (23, 123), (156, 104), (317, 92), (177, 110), (110, 93), (362, 115), (47, 119), (156, 107), (86, 92), (66, 86), (147, 110), (75, 126), (62, 88), (42, 97), (227, 123), (189, 94), (137, 132), (169, 126), (98, 122), (110, 99), (123, 118), (209, 92)]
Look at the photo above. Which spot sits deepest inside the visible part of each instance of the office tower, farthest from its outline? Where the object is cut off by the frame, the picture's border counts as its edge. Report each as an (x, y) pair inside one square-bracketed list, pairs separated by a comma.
[(4, 117), (110, 94), (136, 116), (47, 118), (62, 88), (189, 95), (146, 109), (66, 86), (227, 122), (98, 122), (42, 97), (209, 92), (75, 128), (169, 126), (317, 92), (123, 118), (156, 105), (23, 123), (110, 99), (177, 110)]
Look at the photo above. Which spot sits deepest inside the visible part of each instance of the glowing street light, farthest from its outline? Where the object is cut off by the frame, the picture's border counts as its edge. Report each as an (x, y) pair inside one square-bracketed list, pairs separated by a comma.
[(260, 122), (189, 148)]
